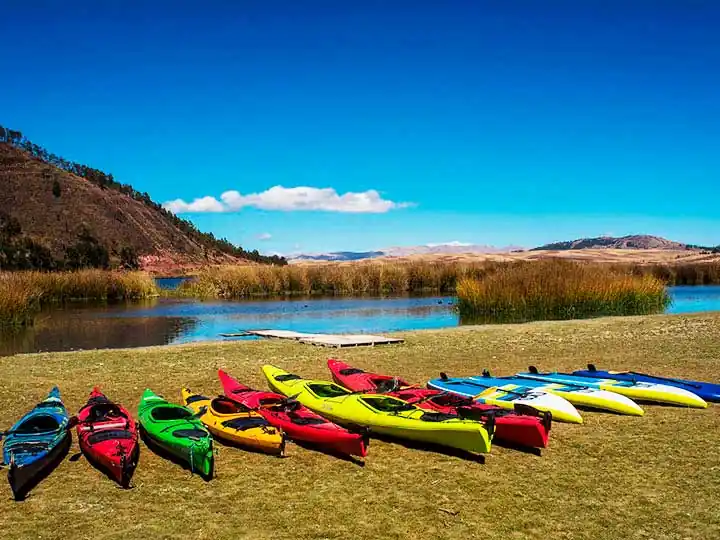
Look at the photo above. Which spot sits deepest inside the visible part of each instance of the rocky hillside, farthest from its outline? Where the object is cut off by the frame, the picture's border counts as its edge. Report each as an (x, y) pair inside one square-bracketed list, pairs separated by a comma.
[(51, 209), (639, 241)]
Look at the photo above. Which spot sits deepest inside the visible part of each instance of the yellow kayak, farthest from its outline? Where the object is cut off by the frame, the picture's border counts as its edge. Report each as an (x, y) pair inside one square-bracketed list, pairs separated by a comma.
[(382, 414), (234, 423)]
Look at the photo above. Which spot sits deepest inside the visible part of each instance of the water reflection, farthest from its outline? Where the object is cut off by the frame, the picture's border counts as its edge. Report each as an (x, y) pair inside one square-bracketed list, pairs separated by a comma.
[(164, 321)]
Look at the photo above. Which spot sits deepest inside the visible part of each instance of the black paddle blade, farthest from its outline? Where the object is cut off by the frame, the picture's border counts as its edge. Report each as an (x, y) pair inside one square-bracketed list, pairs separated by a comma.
[(591, 367)]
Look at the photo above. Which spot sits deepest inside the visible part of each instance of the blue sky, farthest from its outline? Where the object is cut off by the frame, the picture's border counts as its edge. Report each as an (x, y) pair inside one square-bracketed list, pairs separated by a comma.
[(497, 122)]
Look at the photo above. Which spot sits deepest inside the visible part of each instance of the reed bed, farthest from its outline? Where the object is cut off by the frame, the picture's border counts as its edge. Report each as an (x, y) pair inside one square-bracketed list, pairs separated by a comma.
[(558, 289), (330, 279), (22, 294)]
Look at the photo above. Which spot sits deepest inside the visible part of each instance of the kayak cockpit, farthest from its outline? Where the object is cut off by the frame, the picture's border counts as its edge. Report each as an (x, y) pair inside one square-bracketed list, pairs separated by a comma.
[(327, 390), (165, 413), (223, 405), (38, 423), (387, 404)]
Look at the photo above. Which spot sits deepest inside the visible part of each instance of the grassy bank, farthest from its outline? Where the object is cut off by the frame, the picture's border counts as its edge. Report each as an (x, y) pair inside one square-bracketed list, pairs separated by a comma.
[(383, 277), (556, 289), (612, 478), (23, 293)]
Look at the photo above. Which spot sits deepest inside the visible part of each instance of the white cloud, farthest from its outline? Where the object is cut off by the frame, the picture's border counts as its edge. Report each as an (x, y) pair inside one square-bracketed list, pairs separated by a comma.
[(264, 236), (454, 243), (289, 199), (204, 204)]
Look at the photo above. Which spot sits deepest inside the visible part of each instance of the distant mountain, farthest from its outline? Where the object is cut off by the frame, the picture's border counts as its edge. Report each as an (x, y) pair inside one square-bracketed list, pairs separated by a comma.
[(637, 241), (338, 256), (403, 251)]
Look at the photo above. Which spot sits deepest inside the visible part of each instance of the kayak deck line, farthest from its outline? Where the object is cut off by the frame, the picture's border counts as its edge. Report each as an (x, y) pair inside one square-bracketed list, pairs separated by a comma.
[(324, 340)]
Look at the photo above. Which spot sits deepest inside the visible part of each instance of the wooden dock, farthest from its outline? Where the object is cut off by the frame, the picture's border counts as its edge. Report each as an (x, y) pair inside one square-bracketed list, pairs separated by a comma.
[(324, 340)]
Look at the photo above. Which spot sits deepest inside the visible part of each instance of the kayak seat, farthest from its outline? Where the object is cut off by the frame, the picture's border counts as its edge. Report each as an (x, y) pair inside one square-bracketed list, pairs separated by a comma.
[(223, 405), (327, 390), (169, 412), (350, 371), (38, 424)]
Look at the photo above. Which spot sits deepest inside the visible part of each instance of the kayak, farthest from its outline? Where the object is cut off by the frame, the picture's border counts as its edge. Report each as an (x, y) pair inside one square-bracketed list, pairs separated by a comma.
[(177, 431), (383, 414), (660, 393), (36, 443), (577, 394), (705, 390), (508, 396), (228, 420), (298, 422), (525, 428), (108, 436)]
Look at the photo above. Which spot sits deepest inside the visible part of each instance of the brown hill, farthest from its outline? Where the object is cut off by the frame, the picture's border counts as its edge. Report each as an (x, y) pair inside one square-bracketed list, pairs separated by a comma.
[(637, 241), (55, 207)]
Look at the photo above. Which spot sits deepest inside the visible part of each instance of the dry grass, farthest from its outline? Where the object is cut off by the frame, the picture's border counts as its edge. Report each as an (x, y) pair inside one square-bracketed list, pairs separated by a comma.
[(22, 293), (558, 289), (400, 276), (613, 478)]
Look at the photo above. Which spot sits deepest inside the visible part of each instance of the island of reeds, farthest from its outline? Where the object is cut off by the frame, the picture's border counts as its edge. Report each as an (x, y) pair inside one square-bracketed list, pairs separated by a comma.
[(558, 289)]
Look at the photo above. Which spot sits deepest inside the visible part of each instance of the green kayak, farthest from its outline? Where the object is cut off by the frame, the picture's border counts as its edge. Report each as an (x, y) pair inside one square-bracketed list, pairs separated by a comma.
[(176, 430)]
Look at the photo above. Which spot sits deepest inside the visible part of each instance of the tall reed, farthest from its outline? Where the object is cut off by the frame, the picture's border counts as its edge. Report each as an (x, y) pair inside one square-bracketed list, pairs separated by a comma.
[(331, 279), (558, 289), (22, 294)]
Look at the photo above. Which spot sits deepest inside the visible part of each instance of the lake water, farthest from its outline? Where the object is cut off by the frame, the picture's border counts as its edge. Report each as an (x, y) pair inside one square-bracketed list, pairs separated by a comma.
[(164, 321)]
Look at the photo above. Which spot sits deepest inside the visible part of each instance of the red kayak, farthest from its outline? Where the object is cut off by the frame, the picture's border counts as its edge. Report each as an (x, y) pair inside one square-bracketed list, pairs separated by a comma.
[(299, 422), (525, 426), (108, 436)]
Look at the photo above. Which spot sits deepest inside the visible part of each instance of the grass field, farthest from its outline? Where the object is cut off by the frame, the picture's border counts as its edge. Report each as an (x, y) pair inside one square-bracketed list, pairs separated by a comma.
[(655, 477)]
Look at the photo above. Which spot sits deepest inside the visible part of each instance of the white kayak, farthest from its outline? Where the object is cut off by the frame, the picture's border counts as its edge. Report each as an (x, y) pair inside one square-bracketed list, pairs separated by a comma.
[(508, 395)]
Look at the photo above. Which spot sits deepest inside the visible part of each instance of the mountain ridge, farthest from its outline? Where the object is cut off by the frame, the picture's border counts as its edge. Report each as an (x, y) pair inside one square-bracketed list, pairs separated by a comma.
[(53, 212)]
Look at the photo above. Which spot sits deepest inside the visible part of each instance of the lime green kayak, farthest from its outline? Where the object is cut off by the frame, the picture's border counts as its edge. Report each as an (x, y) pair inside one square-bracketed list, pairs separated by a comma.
[(177, 431)]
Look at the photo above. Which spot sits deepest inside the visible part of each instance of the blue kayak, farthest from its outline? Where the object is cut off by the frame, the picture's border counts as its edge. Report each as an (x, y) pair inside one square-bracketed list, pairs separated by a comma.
[(707, 391), (36, 443)]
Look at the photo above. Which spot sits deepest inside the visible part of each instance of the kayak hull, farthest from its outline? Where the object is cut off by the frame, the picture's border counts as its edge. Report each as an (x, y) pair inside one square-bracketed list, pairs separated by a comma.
[(174, 430), (297, 422), (108, 437), (583, 396), (36, 443), (508, 396), (659, 393), (707, 391), (382, 414), (233, 423), (517, 429)]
